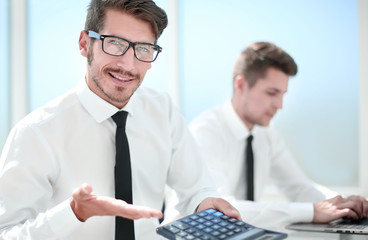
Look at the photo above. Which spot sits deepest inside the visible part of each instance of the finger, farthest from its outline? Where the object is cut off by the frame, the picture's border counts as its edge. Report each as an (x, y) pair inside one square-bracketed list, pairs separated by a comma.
[(147, 212), (347, 213), (226, 208), (135, 212), (352, 203), (365, 207)]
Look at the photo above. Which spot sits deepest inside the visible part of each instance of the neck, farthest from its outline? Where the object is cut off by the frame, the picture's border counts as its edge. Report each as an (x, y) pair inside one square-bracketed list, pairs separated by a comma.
[(238, 111)]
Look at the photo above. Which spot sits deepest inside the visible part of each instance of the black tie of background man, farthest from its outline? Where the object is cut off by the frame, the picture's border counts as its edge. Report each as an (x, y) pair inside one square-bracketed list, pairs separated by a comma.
[(250, 169), (124, 228)]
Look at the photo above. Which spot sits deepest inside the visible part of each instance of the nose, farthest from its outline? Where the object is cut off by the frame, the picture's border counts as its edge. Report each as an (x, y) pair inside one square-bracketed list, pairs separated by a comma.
[(127, 60), (279, 102)]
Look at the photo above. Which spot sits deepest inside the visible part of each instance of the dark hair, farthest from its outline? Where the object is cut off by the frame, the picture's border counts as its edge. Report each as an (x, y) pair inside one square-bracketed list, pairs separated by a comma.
[(254, 61), (145, 10)]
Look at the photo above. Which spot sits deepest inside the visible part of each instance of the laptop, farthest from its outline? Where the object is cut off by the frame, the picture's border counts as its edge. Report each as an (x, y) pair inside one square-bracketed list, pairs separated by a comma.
[(337, 226)]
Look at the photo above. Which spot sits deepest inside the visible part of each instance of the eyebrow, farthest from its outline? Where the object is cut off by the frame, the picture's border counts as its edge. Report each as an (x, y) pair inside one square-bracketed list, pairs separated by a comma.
[(276, 90)]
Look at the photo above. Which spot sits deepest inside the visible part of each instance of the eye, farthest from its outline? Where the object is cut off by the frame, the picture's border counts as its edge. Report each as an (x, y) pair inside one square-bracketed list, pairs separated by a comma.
[(143, 48), (114, 42), (272, 93)]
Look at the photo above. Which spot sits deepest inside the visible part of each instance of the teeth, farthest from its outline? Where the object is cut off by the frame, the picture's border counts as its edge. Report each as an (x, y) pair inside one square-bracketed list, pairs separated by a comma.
[(120, 78)]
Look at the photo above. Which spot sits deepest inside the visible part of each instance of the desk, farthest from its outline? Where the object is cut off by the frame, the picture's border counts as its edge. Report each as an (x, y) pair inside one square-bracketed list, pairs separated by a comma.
[(303, 235)]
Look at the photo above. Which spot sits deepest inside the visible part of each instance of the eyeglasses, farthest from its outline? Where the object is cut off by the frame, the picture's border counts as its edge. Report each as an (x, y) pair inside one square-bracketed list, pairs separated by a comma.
[(117, 46)]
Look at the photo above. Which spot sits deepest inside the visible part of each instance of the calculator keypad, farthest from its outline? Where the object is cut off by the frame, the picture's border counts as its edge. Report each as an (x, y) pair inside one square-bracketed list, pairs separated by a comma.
[(210, 224)]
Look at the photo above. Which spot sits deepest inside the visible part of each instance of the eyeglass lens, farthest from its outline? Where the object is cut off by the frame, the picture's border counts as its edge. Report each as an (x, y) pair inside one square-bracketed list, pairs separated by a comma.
[(117, 46)]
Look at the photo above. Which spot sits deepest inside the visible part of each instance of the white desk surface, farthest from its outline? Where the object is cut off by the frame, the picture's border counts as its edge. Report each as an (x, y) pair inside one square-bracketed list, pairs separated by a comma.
[(304, 235)]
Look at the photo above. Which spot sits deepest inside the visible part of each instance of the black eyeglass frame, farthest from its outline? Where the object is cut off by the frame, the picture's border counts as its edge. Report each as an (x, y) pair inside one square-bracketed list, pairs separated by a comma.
[(95, 35)]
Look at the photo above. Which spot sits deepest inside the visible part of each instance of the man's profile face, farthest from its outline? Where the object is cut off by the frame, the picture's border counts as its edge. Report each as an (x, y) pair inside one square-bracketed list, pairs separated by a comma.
[(116, 78), (260, 103)]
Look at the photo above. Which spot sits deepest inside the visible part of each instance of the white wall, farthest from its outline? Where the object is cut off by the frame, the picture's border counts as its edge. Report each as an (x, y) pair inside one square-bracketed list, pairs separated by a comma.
[(323, 121)]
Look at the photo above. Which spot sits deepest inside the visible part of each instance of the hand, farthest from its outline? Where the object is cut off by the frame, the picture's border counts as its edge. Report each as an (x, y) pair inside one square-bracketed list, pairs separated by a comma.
[(86, 204), (220, 205), (354, 207), (361, 203)]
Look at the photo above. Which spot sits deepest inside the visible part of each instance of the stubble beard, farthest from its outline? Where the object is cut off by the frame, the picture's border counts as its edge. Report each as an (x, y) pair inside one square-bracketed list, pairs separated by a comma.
[(119, 97)]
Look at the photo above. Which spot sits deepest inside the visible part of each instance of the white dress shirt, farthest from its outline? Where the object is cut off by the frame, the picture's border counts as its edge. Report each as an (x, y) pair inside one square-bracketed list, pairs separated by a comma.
[(221, 135), (71, 141)]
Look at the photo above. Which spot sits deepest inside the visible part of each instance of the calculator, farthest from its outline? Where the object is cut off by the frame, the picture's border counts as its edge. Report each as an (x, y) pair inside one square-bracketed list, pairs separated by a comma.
[(211, 224)]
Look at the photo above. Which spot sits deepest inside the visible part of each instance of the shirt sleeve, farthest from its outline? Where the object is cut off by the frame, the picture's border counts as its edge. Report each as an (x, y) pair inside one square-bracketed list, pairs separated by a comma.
[(287, 175), (27, 172), (188, 174), (274, 215)]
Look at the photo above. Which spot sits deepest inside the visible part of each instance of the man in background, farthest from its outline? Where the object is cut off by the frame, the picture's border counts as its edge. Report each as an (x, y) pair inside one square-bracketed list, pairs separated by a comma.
[(238, 132)]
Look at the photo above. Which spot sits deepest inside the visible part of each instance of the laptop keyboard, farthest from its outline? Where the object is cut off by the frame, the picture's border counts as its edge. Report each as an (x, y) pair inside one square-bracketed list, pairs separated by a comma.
[(350, 224), (212, 225)]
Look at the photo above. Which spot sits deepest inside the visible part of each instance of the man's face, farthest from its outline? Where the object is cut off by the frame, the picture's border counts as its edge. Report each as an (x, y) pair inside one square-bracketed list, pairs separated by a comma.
[(115, 78), (258, 105)]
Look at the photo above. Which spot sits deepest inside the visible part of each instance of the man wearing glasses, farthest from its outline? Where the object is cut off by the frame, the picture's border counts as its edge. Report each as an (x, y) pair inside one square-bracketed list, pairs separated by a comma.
[(69, 144)]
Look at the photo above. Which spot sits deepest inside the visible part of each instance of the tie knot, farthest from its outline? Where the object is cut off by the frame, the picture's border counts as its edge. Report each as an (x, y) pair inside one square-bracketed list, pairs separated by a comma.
[(120, 118), (250, 138)]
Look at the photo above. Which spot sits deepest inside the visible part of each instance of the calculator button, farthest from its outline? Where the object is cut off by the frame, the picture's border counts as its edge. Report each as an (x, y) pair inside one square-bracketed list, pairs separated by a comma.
[(216, 227), (237, 230), (209, 217), (200, 226), (216, 220), (224, 224), (218, 214), (223, 230), (231, 227), (190, 230), (172, 229), (193, 223), (224, 217), (208, 223), (201, 220), (180, 225), (182, 234), (215, 233), (189, 237), (201, 214), (222, 236), (210, 211), (240, 224)]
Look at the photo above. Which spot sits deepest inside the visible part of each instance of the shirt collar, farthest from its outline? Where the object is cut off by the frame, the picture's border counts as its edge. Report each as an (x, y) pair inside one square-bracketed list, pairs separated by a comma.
[(99, 109), (235, 124)]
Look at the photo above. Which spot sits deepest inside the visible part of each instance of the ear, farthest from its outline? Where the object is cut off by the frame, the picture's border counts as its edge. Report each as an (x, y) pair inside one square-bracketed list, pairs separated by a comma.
[(84, 41), (240, 83)]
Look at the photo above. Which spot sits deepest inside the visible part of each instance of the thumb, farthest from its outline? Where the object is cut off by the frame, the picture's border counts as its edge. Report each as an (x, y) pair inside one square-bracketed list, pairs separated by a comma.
[(84, 190)]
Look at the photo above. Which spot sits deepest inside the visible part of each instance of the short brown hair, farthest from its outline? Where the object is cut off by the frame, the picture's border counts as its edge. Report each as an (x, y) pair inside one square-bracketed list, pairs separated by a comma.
[(254, 61), (145, 10)]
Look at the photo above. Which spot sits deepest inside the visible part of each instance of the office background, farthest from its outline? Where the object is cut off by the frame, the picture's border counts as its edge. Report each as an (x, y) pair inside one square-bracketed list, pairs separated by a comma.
[(324, 120)]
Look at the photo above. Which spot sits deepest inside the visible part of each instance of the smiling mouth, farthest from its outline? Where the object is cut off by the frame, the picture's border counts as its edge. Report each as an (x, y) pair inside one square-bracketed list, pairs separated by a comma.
[(121, 78)]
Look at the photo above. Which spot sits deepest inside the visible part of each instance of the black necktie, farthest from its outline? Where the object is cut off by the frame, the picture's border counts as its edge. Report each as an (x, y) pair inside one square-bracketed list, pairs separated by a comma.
[(249, 169), (124, 228)]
